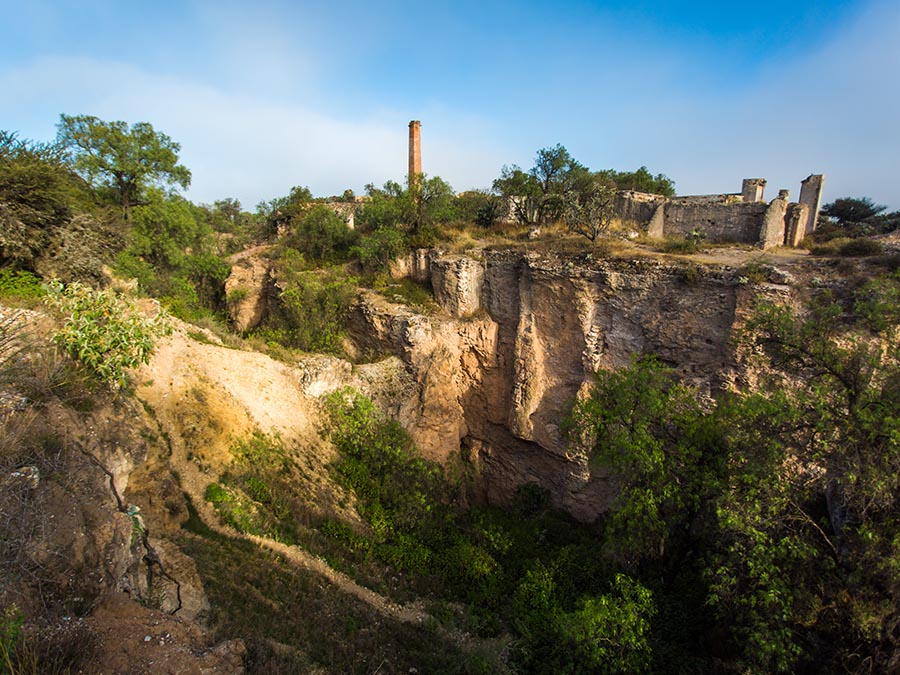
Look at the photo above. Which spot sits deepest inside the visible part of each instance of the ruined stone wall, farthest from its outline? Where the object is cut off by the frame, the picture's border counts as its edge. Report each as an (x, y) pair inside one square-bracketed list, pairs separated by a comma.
[(346, 210), (719, 221), (637, 207), (811, 195)]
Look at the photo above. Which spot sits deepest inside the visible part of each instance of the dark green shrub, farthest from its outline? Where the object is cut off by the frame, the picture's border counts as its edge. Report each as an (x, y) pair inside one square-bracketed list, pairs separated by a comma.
[(20, 285), (313, 305), (847, 247), (322, 234), (376, 250), (861, 247)]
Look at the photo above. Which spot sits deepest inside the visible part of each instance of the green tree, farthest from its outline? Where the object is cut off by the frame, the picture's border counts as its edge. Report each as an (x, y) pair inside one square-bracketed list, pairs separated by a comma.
[(850, 210), (589, 211), (164, 226), (388, 207), (857, 217), (434, 202), (279, 212), (36, 195), (540, 195), (640, 180), (416, 208), (377, 249), (480, 207), (522, 192), (650, 430), (119, 161), (322, 234)]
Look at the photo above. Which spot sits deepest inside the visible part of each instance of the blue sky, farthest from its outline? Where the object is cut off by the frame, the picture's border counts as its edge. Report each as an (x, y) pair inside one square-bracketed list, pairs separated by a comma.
[(277, 94)]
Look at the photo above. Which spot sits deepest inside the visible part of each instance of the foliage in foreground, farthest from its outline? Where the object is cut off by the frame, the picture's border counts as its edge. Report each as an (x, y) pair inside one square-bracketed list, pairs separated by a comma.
[(568, 614), (104, 331), (787, 501)]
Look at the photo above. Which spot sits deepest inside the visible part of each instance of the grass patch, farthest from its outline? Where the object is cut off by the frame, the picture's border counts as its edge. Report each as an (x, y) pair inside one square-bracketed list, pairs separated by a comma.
[(406, 291), (292, 620), (846, 247), (21, 288), (679, 245)]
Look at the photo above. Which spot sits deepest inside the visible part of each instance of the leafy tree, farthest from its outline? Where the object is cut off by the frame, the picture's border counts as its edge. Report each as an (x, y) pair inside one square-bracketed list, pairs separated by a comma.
[(322, 234), (388, 207), (104, 331), (226, 215), (589, 212), (555, 170), (640, 180), (119, 161), (434, 201), (377, 249), (791, 494), (522, 191), (279, 212), (480, 207), (849, 210), (420, 205), (610, 633), (856, 217), (540, 196), (558, 186), (650, 430), (207, 272), (36, 194)]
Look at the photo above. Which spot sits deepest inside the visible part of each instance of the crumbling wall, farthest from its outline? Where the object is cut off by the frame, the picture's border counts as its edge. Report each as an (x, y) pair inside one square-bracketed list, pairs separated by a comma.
[(796, 223), (718, 221), (637, 207), (773, 225), (811, 195), (740, 218)]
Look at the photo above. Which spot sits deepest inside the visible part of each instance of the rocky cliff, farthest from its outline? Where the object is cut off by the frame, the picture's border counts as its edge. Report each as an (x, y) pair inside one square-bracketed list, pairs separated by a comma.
[(519, 336)]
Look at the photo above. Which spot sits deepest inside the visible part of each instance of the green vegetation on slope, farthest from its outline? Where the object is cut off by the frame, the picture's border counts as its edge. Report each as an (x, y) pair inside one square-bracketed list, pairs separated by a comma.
[(760, 533)]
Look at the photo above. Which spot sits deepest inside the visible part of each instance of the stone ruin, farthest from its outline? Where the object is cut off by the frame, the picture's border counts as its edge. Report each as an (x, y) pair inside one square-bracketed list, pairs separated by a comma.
[(743, 217)]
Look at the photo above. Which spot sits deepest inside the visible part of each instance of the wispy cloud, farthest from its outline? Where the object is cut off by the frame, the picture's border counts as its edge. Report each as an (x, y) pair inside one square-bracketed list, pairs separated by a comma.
[(265, 100), (252, 148), (832, 110)]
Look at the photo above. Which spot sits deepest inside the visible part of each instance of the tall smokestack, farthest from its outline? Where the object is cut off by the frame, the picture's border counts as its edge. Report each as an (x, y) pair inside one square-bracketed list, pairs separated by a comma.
[(415, 151)]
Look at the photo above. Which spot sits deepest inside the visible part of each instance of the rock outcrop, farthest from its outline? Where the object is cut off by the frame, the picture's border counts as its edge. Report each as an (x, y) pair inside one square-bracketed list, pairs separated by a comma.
[(519, 338), (247, 288)]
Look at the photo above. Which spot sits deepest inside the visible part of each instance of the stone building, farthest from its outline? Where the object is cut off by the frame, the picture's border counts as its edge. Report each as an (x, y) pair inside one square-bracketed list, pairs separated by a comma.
[(743, 217)]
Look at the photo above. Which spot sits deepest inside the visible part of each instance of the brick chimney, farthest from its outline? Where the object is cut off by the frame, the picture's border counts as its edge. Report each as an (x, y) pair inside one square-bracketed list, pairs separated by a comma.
[(415, 151)]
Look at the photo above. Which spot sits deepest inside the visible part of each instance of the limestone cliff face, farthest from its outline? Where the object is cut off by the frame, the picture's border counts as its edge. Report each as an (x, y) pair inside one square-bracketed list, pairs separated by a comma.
[(521, 334), (247, 288)]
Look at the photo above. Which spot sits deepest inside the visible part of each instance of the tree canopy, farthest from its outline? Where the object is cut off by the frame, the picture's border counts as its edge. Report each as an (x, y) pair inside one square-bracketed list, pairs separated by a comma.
[(641, 180), (781, 506), (121, 162), (36, 191), (559, 187)]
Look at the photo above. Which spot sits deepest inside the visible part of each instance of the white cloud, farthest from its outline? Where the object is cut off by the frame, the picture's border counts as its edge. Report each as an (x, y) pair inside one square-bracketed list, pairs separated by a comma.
[(265, 116), (237, 144), (833, 110)]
